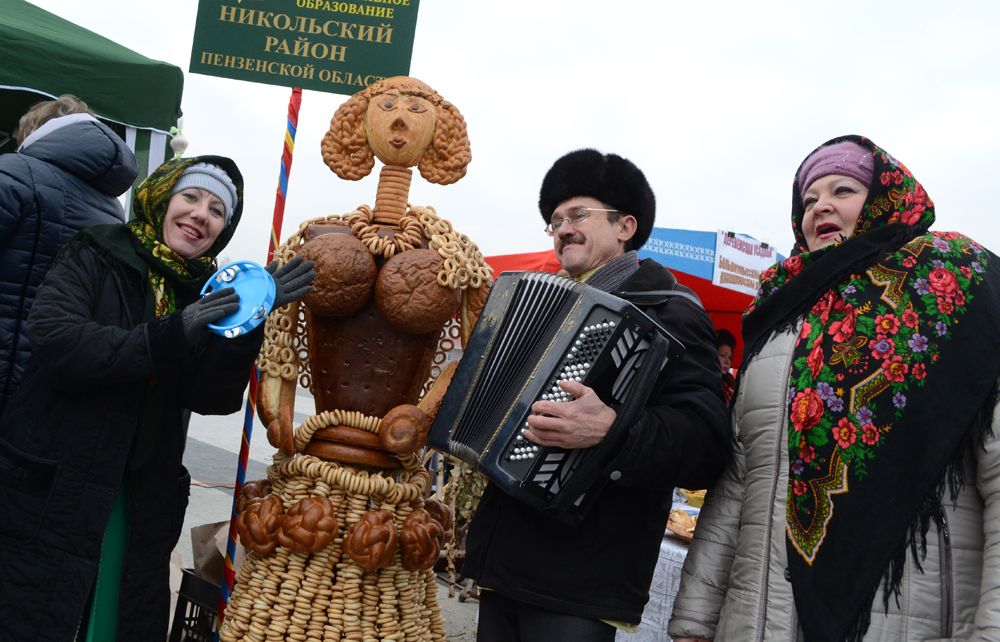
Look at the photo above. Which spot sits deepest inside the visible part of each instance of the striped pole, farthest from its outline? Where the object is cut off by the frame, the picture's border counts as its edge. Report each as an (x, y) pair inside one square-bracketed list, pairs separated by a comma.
[(229, 574)]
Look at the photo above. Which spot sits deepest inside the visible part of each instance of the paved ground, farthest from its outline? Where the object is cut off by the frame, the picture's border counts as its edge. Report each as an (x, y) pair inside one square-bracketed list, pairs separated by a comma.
[(211, 457)]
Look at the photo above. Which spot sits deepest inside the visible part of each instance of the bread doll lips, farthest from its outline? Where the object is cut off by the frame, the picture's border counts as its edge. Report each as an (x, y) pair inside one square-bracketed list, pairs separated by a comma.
[(397, 142)]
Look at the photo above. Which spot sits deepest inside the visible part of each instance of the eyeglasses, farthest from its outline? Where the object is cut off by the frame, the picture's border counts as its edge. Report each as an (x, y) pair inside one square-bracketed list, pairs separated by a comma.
[(576, 216)]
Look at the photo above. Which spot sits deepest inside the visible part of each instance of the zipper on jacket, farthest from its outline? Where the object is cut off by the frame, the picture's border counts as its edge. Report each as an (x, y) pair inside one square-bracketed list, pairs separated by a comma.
[(780, 448), (947, 587), (766, 567)]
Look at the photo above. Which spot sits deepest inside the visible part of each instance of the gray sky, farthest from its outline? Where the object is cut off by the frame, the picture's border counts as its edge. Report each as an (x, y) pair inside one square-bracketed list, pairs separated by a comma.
[(717, 102)]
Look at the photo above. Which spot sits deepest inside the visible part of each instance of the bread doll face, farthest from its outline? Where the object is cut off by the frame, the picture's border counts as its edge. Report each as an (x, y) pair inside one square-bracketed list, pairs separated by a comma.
[(399, 127)]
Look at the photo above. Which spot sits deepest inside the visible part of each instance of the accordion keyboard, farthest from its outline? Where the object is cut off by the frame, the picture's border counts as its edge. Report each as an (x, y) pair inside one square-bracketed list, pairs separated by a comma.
[(546, 466)]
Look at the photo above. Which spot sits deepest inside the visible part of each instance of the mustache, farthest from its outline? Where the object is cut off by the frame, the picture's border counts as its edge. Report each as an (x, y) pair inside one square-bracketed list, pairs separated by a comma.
[(576, 239)]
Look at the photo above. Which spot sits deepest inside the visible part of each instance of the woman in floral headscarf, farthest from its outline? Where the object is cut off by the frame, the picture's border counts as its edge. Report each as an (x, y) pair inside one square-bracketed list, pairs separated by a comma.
[(863, 501), (92, 488)]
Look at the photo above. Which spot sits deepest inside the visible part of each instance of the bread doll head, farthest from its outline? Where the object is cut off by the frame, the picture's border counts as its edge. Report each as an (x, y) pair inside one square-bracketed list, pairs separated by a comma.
[(402, 122)]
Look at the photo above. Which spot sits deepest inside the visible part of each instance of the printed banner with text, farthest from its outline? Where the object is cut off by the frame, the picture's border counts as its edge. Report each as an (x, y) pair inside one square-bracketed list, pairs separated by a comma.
[(739, 260), (337, 47)]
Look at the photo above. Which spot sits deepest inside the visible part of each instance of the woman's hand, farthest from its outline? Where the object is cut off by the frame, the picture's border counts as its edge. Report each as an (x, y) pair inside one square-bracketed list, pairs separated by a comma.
[(292, 281), (208, 309)]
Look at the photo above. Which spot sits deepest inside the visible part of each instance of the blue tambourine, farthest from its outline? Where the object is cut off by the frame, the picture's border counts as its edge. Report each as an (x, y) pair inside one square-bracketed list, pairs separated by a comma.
[(256, 289)]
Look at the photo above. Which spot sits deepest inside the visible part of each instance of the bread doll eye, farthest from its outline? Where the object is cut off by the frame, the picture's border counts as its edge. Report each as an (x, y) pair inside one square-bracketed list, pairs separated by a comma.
[(387, 104)]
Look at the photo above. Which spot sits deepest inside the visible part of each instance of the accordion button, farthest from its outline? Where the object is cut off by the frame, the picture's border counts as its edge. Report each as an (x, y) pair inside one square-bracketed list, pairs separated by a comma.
[(615, 475)]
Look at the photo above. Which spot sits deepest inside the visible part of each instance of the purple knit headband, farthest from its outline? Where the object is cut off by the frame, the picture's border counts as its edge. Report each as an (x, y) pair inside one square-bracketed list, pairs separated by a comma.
[(845, 159)]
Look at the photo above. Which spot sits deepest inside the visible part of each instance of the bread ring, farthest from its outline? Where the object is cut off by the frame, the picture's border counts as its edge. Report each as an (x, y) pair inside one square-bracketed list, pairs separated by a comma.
[(404, 429), (350, 454), (350, 436)]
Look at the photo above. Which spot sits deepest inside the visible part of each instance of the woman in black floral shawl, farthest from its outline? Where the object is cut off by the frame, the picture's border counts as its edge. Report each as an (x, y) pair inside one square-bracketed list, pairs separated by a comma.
[(866, 484)]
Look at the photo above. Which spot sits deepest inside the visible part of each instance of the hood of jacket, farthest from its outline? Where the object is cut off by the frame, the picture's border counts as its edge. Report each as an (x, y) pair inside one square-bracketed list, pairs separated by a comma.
[(90, 151)]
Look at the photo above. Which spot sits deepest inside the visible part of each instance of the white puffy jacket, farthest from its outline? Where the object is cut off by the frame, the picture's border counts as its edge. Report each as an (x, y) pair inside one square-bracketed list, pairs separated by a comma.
[(733, 585)]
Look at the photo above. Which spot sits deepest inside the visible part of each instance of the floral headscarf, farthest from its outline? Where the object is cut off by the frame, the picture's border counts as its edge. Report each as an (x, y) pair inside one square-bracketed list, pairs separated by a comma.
[(167, 268), (881, 399)]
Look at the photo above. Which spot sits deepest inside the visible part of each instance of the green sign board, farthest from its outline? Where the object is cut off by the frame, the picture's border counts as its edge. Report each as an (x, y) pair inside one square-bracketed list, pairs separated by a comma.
[(338, 47)]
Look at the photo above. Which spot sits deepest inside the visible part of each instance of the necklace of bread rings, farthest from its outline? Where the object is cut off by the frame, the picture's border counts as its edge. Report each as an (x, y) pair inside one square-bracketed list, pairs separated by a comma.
[(256, 290)]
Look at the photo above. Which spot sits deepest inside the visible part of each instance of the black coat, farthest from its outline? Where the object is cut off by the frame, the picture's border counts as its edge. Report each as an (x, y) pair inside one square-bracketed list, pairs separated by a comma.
[(65, 444), (60, 184), (602, 568)]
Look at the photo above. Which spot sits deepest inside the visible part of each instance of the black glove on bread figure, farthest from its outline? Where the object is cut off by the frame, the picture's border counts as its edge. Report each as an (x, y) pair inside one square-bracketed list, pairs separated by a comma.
[(208, 309), (292, 281)]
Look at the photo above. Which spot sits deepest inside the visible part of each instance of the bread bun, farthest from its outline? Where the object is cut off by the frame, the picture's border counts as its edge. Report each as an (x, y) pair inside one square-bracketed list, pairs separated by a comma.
[(371, 541), (441, 513), (409, 296), (345, 275), (259, 522), (308, 526), (421, 537), (404, 429)]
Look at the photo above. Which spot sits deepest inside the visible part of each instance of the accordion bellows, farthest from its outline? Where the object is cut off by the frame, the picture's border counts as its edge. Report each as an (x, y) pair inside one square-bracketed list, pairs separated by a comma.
[(535, 330)]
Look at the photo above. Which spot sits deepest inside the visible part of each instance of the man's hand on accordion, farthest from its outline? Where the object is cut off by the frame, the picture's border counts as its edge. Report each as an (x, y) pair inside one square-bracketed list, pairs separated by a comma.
[(580, 423)]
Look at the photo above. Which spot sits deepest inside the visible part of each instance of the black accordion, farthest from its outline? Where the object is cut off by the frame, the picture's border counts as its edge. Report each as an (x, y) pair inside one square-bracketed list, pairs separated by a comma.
[(534, 330)]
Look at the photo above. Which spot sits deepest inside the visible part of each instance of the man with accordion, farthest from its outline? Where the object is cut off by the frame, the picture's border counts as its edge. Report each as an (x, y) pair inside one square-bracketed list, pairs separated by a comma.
[(547, 578)]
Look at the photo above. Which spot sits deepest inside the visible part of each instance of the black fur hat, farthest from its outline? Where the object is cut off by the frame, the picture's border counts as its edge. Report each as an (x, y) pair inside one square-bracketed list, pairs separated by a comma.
[(610, 179)]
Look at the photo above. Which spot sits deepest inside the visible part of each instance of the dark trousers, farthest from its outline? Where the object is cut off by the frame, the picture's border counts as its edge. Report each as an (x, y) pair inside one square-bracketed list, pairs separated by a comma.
[(505, 620)]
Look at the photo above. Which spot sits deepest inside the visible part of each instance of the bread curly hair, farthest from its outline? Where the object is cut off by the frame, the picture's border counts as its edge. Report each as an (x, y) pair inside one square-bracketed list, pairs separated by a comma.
[(345, 145)]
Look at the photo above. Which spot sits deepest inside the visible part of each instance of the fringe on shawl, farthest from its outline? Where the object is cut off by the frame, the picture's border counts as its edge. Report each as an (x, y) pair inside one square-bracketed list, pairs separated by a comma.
[(931, 509)]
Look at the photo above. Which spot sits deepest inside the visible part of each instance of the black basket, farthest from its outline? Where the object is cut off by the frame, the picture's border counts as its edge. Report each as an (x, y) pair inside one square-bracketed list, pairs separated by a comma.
[(194, 617)]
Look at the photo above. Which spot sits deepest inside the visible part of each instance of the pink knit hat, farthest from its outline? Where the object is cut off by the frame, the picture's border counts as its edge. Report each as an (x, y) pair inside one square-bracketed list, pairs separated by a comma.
[(845, 158)]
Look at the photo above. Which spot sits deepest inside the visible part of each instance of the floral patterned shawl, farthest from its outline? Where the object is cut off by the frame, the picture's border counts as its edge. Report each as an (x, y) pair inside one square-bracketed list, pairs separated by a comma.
[(883, 399), (149, 210), (173, 280)]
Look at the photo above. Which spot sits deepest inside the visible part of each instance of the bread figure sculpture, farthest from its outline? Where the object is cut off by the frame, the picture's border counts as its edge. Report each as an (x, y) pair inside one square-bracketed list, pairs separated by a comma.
[(340, 539)]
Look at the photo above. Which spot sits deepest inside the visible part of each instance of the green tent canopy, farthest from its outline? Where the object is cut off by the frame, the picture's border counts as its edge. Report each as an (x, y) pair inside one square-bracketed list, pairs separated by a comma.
[(44, 56)]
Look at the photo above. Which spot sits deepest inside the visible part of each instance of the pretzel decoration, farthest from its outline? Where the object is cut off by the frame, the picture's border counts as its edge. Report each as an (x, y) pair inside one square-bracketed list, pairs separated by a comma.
[(258, 523), (421, 537), (308, 526), (371, 542)]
